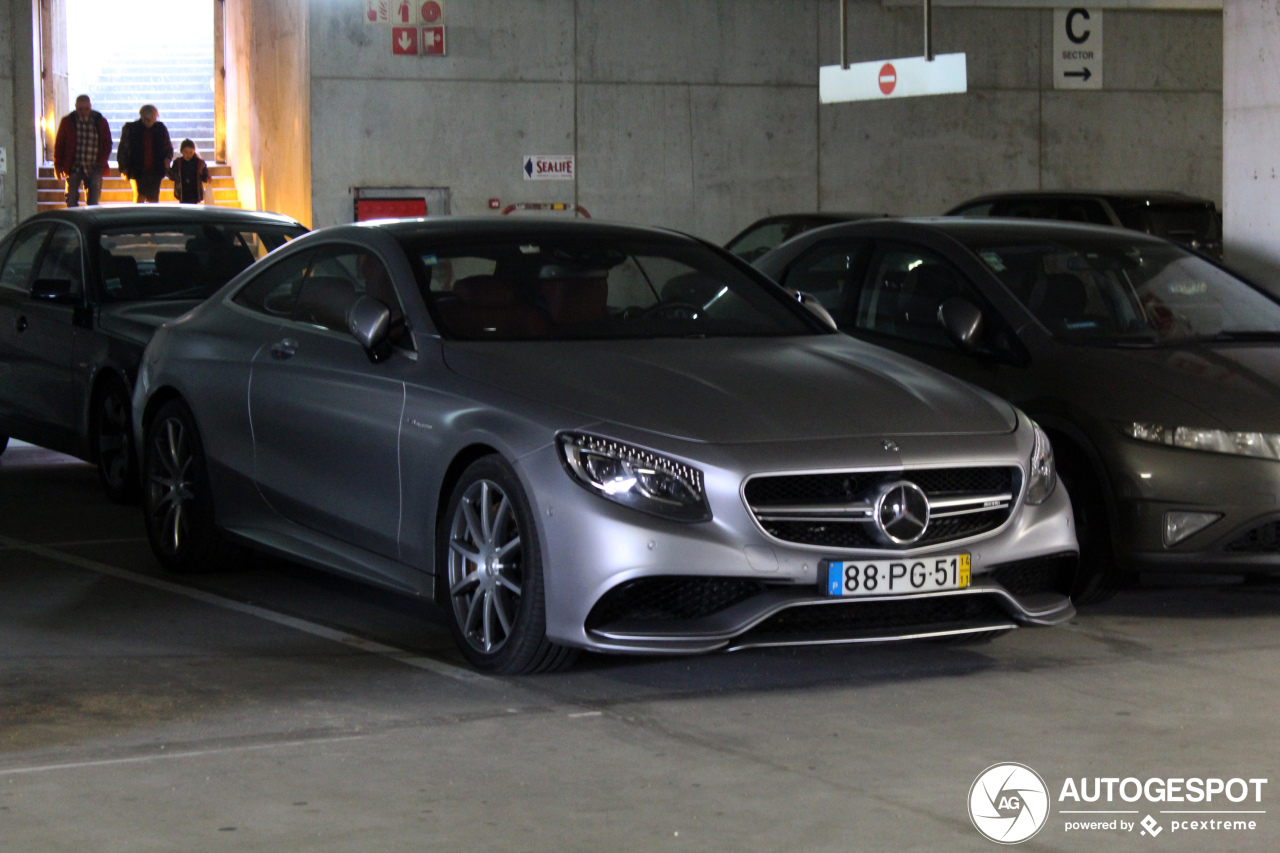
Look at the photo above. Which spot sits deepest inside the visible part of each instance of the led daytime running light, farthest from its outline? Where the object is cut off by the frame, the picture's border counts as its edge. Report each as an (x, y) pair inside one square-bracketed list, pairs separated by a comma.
[(635, 477)]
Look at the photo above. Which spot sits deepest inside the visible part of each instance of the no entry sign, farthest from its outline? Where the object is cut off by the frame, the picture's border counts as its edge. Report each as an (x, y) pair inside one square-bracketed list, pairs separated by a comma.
[(897, 78)]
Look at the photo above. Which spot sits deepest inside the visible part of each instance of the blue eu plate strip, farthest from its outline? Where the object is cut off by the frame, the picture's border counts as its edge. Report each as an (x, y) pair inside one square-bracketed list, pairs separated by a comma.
[(835, 577)]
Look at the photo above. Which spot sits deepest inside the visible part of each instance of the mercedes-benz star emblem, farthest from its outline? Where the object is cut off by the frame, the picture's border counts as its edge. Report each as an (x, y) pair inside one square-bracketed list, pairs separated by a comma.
[(902, 512)]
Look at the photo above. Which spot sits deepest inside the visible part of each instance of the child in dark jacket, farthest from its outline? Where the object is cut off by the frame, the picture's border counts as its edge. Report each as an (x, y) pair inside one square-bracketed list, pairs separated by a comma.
[(189, 174)]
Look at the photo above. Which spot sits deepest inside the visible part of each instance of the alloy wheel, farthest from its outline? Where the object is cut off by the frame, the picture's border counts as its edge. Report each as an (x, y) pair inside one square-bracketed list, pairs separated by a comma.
[(485, 566), (170, 484), (113, 441)]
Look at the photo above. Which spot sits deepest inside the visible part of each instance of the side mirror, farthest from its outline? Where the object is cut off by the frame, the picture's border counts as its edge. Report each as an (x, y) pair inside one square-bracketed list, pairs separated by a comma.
[(369, 322), (53, 290), (808, 300), (963, 322)]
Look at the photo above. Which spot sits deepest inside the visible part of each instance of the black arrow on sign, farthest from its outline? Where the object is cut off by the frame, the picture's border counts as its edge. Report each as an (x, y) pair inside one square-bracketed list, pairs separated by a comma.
[(1083, 75)]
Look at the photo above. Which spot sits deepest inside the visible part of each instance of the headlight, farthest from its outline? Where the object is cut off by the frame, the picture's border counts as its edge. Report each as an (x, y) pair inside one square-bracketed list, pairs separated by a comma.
[(1044, 476), (634, 477), (1261, 445)]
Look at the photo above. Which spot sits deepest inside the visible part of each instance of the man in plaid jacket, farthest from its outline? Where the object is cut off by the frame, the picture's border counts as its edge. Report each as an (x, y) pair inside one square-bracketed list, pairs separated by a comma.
[(81, 151)]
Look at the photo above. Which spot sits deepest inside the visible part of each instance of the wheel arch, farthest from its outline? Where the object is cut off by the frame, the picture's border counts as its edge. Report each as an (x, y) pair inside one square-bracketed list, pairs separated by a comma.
[(1065, 433)]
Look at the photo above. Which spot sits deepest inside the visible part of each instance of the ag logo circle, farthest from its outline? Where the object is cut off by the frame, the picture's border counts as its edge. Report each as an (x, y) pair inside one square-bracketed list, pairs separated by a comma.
[(1008, 803)]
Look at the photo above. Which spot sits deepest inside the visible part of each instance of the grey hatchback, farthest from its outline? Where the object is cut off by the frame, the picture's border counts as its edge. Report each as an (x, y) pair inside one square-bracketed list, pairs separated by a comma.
[(82, 290), (1155, 371)]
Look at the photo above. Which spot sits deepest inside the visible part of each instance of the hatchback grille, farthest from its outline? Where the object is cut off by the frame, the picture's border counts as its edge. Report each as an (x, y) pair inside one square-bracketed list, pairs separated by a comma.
[(1056, 573), (1263, 539), (836, 510), (664, 598)]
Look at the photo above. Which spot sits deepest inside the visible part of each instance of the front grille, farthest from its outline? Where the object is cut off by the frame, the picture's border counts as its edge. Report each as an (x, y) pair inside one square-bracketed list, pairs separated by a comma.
[(1056, 573), (665, 598), (835, 509), (1263, 539), (872, 617)]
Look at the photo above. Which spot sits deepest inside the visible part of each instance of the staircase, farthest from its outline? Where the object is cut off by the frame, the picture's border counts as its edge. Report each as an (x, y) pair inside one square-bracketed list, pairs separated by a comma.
[(116, 190), (178, 81)]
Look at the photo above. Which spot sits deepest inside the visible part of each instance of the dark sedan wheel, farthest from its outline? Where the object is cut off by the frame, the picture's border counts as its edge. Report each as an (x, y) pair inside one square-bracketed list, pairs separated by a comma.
[(177, 498), (1098, 577), (493, 587), (112, 437)]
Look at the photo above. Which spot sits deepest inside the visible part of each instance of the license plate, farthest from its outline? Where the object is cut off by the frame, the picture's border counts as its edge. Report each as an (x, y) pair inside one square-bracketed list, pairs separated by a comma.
[(866, 578)]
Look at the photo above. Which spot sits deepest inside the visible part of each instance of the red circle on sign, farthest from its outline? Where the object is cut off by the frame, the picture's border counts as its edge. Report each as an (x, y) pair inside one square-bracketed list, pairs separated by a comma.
[(430, 12), (888, 78)]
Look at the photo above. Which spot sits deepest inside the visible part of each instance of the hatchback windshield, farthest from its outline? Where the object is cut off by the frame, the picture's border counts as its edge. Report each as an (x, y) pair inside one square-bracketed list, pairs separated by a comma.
[(178, 261), (562, 288), (1115, 291)]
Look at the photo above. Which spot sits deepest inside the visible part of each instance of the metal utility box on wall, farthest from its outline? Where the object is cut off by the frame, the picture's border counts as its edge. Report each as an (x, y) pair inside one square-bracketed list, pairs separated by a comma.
[(400, 202)]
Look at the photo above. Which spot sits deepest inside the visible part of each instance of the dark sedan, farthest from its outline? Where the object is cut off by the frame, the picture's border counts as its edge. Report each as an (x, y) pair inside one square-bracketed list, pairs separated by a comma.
[(81, 292), (1193, 222), (1155, 372), (768, 233)]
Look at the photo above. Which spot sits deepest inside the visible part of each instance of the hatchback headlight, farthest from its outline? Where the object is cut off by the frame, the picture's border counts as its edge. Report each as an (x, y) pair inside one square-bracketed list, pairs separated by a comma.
[(1260, 445), (1043, 473), (635, 477)]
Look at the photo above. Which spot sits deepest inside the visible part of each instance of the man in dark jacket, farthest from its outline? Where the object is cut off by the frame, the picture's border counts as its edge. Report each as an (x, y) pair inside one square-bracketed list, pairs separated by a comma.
[(145, 152), (81, 151)]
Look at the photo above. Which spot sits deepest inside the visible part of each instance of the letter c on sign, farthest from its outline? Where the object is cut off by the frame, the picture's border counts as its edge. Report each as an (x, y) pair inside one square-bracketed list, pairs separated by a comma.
[(1071, 26)]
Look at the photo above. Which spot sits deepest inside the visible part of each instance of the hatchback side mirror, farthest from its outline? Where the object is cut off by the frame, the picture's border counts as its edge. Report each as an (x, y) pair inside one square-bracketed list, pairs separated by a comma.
[(808, 300), (963, 322), (53, 290), (369, 322)]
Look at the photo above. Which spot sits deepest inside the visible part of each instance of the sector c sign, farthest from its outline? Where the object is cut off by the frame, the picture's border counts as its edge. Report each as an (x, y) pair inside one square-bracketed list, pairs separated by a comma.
[(898, 78)]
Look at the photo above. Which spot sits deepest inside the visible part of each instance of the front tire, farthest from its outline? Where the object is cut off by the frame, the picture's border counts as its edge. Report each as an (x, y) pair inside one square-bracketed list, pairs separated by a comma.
[(111, 433), (490, 563), (177, 499), (1099, 577)]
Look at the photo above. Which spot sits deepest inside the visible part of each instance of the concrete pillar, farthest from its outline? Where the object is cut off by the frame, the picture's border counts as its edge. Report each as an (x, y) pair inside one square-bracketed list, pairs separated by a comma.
[(1251, 137)]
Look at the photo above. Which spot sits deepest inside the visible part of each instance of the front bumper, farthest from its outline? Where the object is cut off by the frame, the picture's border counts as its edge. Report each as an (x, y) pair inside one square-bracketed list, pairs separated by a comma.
[(592, 547), (1156, 480)]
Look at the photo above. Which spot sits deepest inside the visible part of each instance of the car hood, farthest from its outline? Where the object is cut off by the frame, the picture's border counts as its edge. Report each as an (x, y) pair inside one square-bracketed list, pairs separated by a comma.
[(137, 321), (1226, 386), (736, 390)]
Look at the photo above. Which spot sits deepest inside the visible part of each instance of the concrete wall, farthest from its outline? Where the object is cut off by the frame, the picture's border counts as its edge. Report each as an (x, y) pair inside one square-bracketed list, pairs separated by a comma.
[(703, 115), (18, 131), (267, 104), (1251, 128)]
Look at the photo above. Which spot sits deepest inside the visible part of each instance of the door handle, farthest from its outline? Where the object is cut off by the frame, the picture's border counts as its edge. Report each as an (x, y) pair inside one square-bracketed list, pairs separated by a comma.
[(21, 323), (284, 349)]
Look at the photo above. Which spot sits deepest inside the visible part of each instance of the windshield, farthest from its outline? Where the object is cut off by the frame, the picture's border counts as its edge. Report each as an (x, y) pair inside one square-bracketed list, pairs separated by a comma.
[(181, 261), (572, 288), (1090, 290)]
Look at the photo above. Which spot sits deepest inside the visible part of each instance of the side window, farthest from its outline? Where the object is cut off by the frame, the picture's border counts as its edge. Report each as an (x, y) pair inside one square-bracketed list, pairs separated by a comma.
[(275, 291), (337, 279), (976, 211), (904, 288), (1082, 210), (18, 266), (1026, 208), (830, 271), (756, 242), (61, 258)]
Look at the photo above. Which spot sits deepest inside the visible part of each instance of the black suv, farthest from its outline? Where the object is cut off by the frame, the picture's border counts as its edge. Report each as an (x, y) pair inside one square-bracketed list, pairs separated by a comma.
[(1191, 222)]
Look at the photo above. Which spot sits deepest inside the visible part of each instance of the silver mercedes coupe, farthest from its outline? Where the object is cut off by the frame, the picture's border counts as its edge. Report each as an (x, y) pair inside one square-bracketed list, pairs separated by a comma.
[(576, 435)]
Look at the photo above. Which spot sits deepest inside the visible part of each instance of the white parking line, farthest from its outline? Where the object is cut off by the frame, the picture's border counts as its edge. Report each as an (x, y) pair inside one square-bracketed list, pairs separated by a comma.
[(412, 659), (106, 762)]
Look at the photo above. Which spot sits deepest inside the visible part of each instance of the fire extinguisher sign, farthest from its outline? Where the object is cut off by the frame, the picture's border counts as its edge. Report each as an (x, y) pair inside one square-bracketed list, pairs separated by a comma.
[(405, 13)]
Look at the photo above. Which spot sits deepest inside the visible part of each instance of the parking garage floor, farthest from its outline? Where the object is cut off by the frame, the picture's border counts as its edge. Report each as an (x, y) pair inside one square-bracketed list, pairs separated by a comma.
[(276, 708)]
